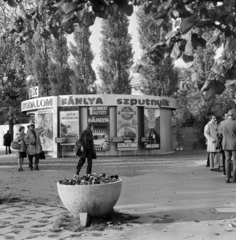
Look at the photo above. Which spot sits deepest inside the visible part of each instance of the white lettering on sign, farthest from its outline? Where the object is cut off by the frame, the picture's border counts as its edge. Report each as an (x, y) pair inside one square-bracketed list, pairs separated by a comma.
[(34, 92), (127, 145), (98, 120)]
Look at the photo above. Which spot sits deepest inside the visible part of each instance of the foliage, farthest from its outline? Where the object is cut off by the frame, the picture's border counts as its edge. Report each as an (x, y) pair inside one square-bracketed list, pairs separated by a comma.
[(81, 63), (161, 79), (58, 68), (116, 55), (193, 21)]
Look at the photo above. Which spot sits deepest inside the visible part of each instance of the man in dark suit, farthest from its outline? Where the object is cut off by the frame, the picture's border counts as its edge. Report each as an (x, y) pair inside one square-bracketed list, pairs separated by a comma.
[(228, 129)]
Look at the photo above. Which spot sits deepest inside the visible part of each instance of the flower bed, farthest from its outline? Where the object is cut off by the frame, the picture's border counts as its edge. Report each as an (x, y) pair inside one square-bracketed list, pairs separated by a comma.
[(90, 179)]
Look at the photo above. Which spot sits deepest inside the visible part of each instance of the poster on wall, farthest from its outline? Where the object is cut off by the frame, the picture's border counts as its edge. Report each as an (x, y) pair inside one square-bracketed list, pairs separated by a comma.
[(127, 127), (99, 117), (69, 125), (152, 128), (44, 125)]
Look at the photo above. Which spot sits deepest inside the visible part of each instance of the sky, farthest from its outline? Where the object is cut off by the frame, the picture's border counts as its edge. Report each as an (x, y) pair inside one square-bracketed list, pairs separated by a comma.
[(96, 35)]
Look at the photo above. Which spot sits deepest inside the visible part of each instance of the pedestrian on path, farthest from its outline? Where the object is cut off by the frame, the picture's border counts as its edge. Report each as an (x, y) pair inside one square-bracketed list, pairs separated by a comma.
[(34, 147), (7, 142), (21, 153), (228, 129), (211, 134), (86, 150)]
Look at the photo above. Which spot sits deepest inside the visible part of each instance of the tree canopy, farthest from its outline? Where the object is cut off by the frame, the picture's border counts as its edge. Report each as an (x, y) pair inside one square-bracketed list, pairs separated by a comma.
[(193, 21)]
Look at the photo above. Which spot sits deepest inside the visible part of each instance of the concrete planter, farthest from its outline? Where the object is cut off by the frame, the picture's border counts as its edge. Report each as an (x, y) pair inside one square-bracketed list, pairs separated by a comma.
[(94, 200)]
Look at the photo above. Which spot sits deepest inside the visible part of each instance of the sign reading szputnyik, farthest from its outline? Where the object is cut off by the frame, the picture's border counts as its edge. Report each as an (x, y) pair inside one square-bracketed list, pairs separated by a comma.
[(127, 127), (99, 117)]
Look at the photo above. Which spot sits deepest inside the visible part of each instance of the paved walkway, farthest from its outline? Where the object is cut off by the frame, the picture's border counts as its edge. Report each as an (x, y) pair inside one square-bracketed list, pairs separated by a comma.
[(175, 197)]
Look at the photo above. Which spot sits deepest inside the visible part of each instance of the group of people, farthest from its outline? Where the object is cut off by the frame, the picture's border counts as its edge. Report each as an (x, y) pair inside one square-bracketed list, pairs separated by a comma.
[(221, 139), (29, 143)]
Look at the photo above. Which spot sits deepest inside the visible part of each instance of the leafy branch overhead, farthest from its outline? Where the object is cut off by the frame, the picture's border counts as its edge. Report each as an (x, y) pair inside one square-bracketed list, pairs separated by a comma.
[(193, 22)]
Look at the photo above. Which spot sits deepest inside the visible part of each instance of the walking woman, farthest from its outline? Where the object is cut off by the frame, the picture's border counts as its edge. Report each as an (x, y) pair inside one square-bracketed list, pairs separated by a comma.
[(34, 146), (211, 133), (86, 150), (21, 153)]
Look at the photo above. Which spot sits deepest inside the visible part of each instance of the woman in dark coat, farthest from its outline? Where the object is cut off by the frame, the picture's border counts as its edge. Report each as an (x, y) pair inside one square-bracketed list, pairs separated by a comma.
[(21, 153), (86, 150), (7, 141)]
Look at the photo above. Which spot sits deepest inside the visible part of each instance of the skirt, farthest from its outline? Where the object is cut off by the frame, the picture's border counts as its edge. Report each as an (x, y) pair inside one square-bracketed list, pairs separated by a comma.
[(21, 154)]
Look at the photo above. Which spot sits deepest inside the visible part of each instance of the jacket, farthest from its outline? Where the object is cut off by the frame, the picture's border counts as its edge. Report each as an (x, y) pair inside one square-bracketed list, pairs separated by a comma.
[(211, 134), (21, 139), (228, 129), (83, 142), (34, 144), (7, 139)]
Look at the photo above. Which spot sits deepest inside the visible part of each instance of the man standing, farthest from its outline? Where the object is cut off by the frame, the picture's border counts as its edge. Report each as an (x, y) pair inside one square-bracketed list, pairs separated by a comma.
[(7, 142), (228, 129), (211, 134)]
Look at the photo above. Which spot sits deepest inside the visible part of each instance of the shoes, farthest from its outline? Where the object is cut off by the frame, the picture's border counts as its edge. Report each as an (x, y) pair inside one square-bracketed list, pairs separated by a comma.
[(36, 168), (227, 180), (218, 170), (212, 169), (19, 169)]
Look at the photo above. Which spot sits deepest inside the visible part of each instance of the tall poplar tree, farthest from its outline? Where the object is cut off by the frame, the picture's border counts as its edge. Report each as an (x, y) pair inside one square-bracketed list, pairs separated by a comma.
[(81, 63), (116, 55), (59, 71), (157, 79)]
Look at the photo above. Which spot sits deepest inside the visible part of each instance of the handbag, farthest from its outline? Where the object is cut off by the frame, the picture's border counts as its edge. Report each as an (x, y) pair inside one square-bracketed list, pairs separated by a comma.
[(42, 155), (15, 145), (77, 147)]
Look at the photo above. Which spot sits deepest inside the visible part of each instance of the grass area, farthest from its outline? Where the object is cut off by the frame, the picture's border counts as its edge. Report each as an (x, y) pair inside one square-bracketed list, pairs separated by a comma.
[(67, 222)]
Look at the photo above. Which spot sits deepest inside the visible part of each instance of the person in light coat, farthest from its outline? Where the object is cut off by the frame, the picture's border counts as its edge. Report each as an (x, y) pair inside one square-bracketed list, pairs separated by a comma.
[(211, 134), (34, 146)]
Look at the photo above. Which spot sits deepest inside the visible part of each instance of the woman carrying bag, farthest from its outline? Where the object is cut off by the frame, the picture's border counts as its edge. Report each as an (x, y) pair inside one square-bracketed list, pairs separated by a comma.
[(86, 149), (21, 153)]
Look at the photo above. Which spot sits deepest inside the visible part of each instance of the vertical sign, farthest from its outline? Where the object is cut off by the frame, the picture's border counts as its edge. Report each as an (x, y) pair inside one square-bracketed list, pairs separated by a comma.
[(69, 125), (127, 127), (152, 128), (99, 117), (44, 126)]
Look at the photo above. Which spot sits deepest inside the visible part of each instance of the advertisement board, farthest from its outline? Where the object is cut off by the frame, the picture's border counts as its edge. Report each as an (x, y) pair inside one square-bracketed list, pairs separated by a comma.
[(99, 117), (69, 125), (44, 125), (152, 128), (127, 128)]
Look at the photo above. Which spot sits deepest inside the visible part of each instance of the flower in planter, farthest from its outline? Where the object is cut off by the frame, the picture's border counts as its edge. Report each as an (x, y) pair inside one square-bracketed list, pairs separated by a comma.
[(90, 179)]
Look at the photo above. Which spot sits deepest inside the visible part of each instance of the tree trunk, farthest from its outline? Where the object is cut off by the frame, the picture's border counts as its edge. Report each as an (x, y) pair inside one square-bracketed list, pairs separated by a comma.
[(11, 125)]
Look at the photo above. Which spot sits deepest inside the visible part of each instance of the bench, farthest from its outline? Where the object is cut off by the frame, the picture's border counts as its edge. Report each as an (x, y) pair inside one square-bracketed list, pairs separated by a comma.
[(66, 147)]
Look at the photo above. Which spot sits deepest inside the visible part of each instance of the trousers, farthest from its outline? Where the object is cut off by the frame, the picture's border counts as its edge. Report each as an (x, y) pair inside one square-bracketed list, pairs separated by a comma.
[(82, 161), (228, 155)]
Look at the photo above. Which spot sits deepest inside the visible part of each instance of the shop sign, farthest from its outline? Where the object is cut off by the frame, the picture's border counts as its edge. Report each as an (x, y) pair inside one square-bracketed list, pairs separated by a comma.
[(69, 125), (127, 146), (98, 111), (151, 128), (34, 92), (152, 146), (127, 127), (99, 117), (37, 103), (115, 100), (44, 124)]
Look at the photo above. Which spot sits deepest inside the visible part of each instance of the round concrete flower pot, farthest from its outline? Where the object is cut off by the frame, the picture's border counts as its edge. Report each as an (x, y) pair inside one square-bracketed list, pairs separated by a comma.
[(94, 200)]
